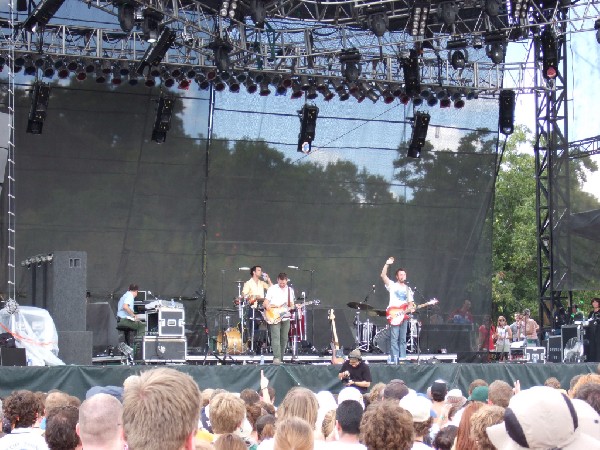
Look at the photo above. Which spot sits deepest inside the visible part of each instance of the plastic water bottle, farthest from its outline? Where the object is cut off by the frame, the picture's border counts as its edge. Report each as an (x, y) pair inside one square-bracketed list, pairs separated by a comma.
[(389, 360), (29, 362), (396, 359), (546, 336), (262, 359)]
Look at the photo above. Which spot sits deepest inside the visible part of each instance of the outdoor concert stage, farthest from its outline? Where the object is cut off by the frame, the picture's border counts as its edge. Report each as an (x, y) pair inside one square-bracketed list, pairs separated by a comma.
[(235, 376)]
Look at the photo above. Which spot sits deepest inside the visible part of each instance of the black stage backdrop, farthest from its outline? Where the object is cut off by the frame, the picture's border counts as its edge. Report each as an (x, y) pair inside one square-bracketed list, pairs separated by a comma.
[(94, 182)]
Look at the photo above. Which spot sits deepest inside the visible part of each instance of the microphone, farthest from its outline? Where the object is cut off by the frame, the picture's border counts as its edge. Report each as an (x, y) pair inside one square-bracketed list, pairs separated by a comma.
[(373, 289), (293, 267), (244, 268)]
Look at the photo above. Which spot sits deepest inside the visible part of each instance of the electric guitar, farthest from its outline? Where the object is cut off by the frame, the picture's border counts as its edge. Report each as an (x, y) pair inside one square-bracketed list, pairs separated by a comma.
[(397, 314), (276, 314), (337, 355)]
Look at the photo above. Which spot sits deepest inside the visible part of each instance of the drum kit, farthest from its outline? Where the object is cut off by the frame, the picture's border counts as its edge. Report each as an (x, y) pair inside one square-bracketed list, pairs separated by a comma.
[(372, 338), (250, 334)]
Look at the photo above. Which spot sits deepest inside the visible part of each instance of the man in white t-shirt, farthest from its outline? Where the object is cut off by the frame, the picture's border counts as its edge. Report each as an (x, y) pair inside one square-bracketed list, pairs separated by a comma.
[(279, 300), (347, 427), (401, 296)]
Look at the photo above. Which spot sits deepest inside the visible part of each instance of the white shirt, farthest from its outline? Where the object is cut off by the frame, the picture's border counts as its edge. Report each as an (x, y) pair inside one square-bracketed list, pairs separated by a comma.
[(23, 439), (337, 445), (279, 297), (399, 294)]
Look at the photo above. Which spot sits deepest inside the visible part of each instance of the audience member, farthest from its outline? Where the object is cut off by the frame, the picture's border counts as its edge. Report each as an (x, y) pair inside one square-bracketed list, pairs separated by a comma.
[(376, 392), (265, 427), (499, 393), (479, 394), (588, 418), (250, 396), (583, 380), (227, 412), (385, 425), (590, 393), (60, 428), (347, 424), (294, 433), (444, 439), (553, 383), (395, 390), (350, 393), (540, 417), (100, 424), (464, 441), (161, 408), (229, 441), (21, 410), (486, 416), (327, 430), (474, 384), (420, 409), (439, 389)]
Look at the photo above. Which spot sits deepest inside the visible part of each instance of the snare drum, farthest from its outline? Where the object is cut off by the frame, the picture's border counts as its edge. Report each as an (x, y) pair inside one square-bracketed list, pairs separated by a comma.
[(233, 342)]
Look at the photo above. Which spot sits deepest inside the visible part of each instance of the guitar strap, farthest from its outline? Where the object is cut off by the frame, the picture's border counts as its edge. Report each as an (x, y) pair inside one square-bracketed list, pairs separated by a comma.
[(289, 305)]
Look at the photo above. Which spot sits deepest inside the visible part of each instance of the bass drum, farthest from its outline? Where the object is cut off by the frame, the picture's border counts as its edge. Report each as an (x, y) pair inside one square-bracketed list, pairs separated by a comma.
[(230, 342), (381, 341)]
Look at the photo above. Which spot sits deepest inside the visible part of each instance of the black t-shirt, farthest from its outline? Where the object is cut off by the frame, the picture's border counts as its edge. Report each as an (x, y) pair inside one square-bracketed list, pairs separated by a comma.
[(358, 373)]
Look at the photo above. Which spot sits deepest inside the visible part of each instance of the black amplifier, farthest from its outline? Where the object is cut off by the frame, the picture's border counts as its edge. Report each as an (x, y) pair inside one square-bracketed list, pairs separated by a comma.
[(156, 349), (167, 322)]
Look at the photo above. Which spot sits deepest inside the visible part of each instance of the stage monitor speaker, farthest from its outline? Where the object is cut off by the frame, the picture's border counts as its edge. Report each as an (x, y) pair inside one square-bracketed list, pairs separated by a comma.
[(13, 356)]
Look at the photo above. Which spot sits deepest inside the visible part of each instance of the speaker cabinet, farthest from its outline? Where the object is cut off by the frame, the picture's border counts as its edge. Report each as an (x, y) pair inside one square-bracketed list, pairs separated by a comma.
[(13, 357)]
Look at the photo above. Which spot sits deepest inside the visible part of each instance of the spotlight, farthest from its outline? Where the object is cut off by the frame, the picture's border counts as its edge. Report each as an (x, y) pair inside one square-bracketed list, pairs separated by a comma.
[(388, 96), (419, 134), (81, 73), (432, 101), (477, 42), (126, 15), (297, 91), (234, 85), (221, 49), (549, 53), (308, 125), (100, 77), (116, 76), (150, 81), (156, 52), (458, 59), (40, 95), (492, 7), (203, 84), (447, 13), (73, 65), (358, 94), (42, 14), (167, 80), (162, 124), (458, 100), (377, 20), (124, 69), (445, 103), (343, 95), (417, 101), (518, 11), (258, 13), (251, 86), (418, 19), (48, 69), (327, 94), (264, 88), (220, 85), (151, 25), (311, 93), (496, 52), (132, 79), (350, 62), (63, 70), (506, 112), (410, 67)]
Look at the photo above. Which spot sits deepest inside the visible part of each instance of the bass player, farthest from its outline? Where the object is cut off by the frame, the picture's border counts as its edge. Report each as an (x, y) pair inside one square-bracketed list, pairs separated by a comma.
[(401, 296), (280, 299)]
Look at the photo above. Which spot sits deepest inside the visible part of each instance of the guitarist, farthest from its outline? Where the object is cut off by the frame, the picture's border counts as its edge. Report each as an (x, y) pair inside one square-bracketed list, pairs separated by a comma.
[(279, 297), (400, 296)]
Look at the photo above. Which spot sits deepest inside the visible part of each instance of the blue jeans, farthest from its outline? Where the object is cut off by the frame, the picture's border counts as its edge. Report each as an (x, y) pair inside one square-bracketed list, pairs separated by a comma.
[(398, 340)]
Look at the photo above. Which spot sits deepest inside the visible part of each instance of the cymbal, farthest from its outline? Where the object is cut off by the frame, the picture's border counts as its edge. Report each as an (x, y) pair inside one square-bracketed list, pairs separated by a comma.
[(361, 306), (377, 313), (238, 281)]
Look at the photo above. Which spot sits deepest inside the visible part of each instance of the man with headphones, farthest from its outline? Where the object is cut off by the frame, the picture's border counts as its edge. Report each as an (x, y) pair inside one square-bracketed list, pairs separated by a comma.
[(355, 372)]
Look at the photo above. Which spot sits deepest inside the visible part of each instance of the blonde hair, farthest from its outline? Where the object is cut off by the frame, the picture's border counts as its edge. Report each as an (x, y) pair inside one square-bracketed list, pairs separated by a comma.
[(299, 402), (486, 416), (328, 424), (584, 379), (230, 442), (227, 412), (161, 409), (294, 433)]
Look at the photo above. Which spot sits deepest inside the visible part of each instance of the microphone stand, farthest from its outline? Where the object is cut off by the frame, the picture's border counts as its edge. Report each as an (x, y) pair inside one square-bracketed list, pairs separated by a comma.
[(417, 291)]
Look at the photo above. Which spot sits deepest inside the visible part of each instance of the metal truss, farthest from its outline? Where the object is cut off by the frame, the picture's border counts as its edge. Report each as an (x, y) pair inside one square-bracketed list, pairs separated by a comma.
[(552, 180), (584, 147)]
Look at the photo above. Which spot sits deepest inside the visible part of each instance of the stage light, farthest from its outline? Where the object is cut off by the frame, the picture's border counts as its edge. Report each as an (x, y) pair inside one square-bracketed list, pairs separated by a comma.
[(311, 93), (156, 71), (124, 69), (388, 96), (496, 52), (458, 59), (167, 80), (100, 77), (156, 52), (549, 53), (258, 13), (343, 95), (506, 111), (417, 101), (162, 124), (81, 73), (350, 62), (264, 90), (150, 81), (358, 94), (297, 91), (492, 7), (63, 70), (132, 79), (419, 134), (116, 77), (432, 101), (251, 86), (518, 11), (327, 94), (597, 28), (40, 95), (410, 67), (418, 18), (445, 103), (308, 126), (49, 69), (221, 49), (219, 84), (73, 65), (377, 20), (42, 14), (151, 25), (458, 100), (447, 13), (477, 42), (126, 15), (234, 85)]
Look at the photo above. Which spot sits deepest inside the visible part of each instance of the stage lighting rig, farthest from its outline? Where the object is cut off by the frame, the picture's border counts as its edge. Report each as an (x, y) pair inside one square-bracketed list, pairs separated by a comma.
[(418, 18), (419, 134), (506, 112), (258, 13), (496, 52), (40, 95), (447, 14), (377, 20), (549, 53), (42, 14), (151, 24), (350, 61), (308, 125), (162, 124), (410, 67), (156, 52)]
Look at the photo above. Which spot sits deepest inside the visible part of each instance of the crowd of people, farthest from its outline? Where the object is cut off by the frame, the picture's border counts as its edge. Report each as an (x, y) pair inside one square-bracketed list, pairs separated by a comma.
[(165, 409)]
